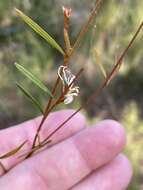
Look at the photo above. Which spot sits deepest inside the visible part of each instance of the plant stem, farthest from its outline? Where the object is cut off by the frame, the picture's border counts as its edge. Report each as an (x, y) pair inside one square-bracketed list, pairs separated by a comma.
[(67, 57), (61, 125), (60, 99), (67, 14), (86, 27), (103, 84), (47, 110), (119, 61), (98, 91)]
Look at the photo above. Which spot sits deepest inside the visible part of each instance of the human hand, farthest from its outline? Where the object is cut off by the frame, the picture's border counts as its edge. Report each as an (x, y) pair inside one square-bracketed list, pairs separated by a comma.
[(79, 159)]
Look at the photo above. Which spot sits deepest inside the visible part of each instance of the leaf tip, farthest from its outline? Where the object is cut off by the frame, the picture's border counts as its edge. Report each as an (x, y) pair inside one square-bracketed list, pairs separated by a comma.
[(17, 10)]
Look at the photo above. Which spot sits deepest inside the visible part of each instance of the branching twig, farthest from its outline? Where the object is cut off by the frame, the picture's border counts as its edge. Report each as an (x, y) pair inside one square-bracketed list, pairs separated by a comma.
[(86, 27), (67, 55), (52, 103), (103, 84), (59, 100)]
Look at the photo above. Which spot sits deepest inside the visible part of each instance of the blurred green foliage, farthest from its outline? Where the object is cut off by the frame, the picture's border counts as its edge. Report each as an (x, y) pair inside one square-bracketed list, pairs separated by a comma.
[(134, 128), (115, 24)]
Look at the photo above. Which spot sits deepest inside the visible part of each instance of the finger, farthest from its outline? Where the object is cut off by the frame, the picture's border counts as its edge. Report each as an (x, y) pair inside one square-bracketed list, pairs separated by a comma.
[(13, 137), (113, 176), (65, 164)]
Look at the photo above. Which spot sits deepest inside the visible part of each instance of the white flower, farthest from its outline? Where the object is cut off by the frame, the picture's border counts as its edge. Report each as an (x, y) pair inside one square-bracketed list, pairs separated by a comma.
[(67, 78)]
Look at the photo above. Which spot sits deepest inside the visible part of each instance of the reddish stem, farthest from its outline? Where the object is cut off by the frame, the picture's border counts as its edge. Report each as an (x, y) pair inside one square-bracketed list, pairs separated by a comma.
[(103, 84), (60, 99)]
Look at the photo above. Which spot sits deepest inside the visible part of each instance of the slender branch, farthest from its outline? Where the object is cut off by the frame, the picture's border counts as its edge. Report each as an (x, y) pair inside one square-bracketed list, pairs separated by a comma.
[(47, 111), (98, 91), (86, 27), (61, 125), (66, 56), (119, 61), (103, 84), (60, 99), (116, 66), (67, 14)]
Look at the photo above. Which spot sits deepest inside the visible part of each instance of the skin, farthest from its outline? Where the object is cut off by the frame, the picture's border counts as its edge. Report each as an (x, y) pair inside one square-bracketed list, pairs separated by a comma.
[(79, 158)]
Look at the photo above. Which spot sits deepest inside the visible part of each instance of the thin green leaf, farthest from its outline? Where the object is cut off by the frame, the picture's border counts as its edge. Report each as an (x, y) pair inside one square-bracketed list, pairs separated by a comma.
[(40, 31), (31, 98), (12, 152), (99, 63), (33, 78)]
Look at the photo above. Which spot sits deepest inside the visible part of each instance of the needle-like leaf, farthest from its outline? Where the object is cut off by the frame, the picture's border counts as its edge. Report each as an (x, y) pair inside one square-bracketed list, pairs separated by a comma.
[(40, 31), (99, 63), (34, 79), (31, 98), (12, 152)]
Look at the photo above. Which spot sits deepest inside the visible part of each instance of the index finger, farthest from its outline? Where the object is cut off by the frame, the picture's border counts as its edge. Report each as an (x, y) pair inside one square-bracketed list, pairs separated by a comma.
[(67, 163), (12, 137)]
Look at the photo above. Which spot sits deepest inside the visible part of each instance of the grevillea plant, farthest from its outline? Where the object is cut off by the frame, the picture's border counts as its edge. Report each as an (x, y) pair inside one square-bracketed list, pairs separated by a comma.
[(64, 89)]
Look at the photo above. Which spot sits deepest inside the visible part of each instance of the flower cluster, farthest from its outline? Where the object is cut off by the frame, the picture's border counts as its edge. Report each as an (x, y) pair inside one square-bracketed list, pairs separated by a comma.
[(67, 79)]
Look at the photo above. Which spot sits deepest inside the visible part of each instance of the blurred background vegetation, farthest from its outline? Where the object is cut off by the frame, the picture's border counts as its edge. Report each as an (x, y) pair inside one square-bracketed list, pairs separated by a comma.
[(115, 25)]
